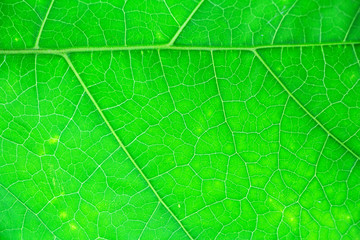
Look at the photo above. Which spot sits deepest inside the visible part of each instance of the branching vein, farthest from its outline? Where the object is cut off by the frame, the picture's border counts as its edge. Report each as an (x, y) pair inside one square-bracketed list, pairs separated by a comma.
[(185, 23), (303, 107), (121, 143), (29, 209)]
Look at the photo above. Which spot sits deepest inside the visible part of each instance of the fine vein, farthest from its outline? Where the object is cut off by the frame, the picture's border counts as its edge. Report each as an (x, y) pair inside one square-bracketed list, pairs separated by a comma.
[(281, 21), (36, 46), (302, 106), (121, 143), (185, 23), (29, 209)]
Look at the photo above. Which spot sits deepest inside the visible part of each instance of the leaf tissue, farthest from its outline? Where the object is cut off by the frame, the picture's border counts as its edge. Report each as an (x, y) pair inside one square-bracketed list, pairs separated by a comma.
[(193, 119)]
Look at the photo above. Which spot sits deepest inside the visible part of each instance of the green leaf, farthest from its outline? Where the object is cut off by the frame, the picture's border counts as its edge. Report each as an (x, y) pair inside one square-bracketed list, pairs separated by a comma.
[(180, 119)]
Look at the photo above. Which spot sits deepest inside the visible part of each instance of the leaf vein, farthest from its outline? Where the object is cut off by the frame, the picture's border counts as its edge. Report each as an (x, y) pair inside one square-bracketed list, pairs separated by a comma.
[(161, 47), (36, 46), (352, 24), (28, 209), (121, 143), (185, 23), (302, 106)]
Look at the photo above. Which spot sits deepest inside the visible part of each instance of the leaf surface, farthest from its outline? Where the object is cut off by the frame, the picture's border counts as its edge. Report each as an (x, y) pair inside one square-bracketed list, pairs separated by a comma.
[(180, 120)]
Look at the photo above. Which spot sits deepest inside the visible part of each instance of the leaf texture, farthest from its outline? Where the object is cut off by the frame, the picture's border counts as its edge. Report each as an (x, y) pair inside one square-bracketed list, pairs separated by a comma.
[(180, 120)]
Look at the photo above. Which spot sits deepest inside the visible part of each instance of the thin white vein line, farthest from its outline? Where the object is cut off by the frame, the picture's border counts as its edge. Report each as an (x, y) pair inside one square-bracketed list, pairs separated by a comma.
[(282, 19), (303, 107), (161, 47), (355, 54), (225, 121), (121, 143), (185, 23), (36, 46), (351, 24), (147, 223), (171, 12), (29, 209)]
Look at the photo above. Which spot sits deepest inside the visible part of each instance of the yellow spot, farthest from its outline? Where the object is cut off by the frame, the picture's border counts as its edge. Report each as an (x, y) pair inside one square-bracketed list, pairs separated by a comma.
[(209, 113), (54, 140), (63, 215), (16, 39), (292, 146), (348, 217), (275, 205), (73, 226), (279, 68), (142, 52), (62, 193), (178, 205), (159, 35), (292, 219)]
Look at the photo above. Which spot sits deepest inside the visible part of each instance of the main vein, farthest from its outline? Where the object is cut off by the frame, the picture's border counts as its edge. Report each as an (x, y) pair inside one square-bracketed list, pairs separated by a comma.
[(36, 46), (161, 47), (121, 143), (302, 106)]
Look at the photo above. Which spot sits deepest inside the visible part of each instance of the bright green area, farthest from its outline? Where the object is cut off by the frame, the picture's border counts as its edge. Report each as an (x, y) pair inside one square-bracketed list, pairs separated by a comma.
[(189, 128)]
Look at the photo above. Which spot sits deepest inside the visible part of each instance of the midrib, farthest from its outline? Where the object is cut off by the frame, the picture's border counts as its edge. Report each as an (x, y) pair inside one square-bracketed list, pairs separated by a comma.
[(62, 51)]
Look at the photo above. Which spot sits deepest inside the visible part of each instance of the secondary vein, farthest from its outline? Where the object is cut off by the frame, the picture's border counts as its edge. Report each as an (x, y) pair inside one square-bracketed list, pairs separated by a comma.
[(302, 106), (121, 143), (351, 24), (185, 23), (36, 46)]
